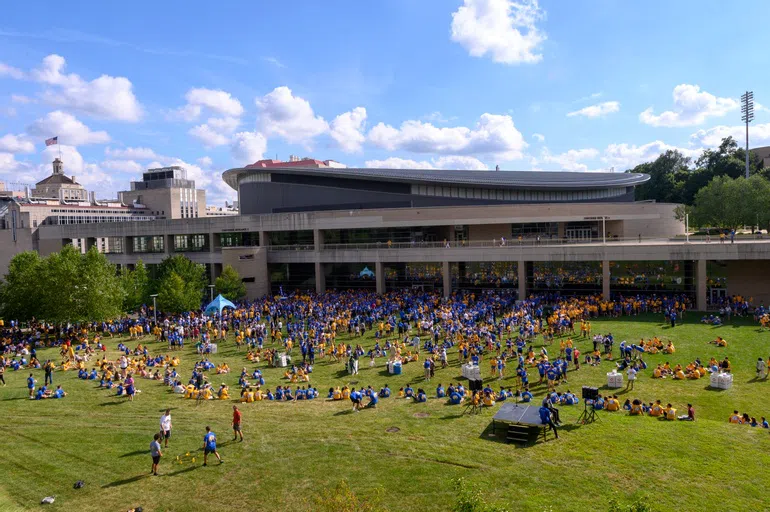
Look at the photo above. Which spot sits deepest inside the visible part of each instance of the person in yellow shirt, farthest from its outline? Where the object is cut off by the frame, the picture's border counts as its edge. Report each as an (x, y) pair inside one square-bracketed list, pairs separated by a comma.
[(670, 413), (735, 418), (657, 409), (613, 404)]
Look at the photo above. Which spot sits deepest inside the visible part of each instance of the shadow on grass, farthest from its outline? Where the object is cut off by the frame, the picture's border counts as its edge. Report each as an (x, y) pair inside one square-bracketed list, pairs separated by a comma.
[(17, 398), (118, 483), (181, 471), (131, 454), (103, 404)]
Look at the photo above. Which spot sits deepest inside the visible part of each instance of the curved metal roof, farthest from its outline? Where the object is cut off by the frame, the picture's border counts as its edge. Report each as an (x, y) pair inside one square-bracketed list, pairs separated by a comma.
[(553, 180)]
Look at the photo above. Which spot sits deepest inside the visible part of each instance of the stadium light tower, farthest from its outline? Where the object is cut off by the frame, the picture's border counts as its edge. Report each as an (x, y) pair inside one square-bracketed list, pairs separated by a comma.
[(747, 111)]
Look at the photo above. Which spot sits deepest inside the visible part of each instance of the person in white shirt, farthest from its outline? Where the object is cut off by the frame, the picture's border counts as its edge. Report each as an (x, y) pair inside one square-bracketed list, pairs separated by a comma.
[(760, 368), (165, 426), (631, 377)]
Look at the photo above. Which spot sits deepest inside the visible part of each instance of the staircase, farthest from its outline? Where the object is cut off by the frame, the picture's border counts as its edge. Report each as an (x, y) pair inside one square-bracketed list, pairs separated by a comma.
[(518, 434)]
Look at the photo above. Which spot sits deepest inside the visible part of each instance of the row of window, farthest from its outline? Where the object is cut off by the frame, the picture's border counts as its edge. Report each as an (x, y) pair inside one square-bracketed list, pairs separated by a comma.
[(190, 243), (516, 195)]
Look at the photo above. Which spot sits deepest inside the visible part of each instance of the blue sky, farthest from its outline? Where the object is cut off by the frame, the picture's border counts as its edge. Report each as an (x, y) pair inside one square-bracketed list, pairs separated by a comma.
[(577, 85)]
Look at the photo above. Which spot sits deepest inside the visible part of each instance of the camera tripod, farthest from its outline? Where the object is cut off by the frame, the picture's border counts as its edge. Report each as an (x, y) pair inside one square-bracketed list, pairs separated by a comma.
[(588, 415)]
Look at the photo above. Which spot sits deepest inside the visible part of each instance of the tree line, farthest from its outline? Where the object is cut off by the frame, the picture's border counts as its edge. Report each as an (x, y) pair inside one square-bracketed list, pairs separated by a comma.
[(712, 188), (68, 286)]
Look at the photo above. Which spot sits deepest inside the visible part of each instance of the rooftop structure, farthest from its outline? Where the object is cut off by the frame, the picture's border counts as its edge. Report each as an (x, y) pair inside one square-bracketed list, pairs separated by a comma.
[(269, 186)]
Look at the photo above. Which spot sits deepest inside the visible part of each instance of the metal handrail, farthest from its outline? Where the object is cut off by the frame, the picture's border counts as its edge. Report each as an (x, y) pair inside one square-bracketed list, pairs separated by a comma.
[(525, 242)]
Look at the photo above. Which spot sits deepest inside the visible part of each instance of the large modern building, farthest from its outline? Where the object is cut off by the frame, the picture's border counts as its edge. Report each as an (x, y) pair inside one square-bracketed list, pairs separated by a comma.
[(315, 225), (269, 186), (167, 194)]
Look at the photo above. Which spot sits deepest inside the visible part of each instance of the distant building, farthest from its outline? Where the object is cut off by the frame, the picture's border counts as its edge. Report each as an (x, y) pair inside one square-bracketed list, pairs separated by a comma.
[(764, 154), (167, 194)]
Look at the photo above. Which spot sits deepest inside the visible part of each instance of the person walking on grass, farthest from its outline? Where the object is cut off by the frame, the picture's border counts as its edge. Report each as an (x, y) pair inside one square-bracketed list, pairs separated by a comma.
[(155, 453), (631, 377), (210, 446), (165, 427), (237, 432)]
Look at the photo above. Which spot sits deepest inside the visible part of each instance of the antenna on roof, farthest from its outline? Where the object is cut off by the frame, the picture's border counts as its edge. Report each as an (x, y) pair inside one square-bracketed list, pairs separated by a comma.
[(497, 167)]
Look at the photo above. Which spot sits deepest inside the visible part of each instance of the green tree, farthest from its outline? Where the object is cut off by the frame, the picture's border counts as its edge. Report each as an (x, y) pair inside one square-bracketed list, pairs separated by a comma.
[(193, 277), (666, 173), (229, 284), (101, 293), (21, 290), (136, 286), (173, 296), (729, 203), (62, 299)]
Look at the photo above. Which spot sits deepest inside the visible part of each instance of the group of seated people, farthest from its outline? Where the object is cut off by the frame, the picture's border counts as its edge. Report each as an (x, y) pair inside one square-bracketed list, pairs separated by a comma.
[(711, 319), (299, 373), (223, 368), (637, 407), (745, 419), (719, 341), (43, 392), (282, 393)]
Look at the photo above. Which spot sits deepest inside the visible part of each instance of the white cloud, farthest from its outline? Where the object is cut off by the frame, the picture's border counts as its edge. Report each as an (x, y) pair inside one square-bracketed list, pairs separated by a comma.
[(492, 135), (16, 144), (289, 117), (205, 161), (131, 166), (132, 153), (216, 100), (21, 99), (208, 136), (570, 160), (598, 110), (248, 147), (6, 70), (68, 128), (107, 97), (9, 164), (691, 107), (759, 135), (538, 137), (444, 162), (347, 129), (505, 29), (626, 156)]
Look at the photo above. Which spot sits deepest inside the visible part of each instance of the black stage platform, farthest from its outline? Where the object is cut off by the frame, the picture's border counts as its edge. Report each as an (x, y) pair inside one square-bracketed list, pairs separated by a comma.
[(518, 414)]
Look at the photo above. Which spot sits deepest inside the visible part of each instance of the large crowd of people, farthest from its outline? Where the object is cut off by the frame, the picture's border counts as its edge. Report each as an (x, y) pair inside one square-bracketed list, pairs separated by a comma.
[(529, 345)]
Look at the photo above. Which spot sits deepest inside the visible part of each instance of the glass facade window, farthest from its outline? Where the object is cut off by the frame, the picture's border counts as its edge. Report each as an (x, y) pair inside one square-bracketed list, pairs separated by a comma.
[(487, 275), (191, 243), (652, 277), (152, 244), (564, 277), (288, 277), (250, 239)]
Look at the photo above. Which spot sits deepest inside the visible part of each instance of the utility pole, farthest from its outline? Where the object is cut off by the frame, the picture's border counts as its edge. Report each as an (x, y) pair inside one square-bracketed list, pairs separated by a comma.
[(747, 111)]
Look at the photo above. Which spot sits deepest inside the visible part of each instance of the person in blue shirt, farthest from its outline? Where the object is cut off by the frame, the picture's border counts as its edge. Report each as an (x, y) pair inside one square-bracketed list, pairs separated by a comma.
[(59, 392), (440, 393), (385, 392), (373, 399), (31, 385), (210, 446), (765, 424), (40, 393), (545, 419), (421, 396), (355, 397), (408, 392), (526, 395)]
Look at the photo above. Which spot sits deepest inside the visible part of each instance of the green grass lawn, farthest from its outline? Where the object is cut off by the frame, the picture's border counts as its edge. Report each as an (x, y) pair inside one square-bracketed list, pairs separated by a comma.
[(295, 450)]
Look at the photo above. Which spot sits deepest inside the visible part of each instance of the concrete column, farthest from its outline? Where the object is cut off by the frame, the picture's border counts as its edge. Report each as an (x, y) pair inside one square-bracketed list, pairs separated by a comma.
[(521, 268), (168, 244), (318, 239), (213, 238), (379, 273), (701, 285), (447, 276), (320, 278), (562, 229), (264, 241), (128, 245), (606, 279)]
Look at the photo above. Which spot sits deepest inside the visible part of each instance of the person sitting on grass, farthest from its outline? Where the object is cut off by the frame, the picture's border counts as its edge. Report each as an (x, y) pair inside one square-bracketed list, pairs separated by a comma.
[(526, 395), (735, 418), (670, 349), (373, 399), (440, 393), (764, 423), (421, 396), (224, 392), (613, 404), (636, 408), (408, 391), (385, 392), (670, 412), (745, 420), (690, 416), (719, 342), (657, 409)]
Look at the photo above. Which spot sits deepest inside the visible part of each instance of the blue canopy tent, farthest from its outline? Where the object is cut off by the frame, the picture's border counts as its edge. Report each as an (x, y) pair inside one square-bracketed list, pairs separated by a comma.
[(216, 306), (366, 273)]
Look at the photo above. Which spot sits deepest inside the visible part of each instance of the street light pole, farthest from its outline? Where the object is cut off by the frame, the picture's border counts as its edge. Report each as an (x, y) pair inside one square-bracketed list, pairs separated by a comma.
[(211, 288), (747, 109)]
